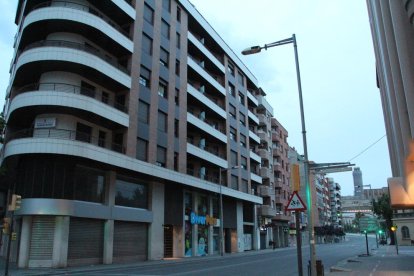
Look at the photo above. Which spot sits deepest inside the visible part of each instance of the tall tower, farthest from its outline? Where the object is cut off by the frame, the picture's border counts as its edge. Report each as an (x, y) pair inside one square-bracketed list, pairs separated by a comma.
[(358, 185)]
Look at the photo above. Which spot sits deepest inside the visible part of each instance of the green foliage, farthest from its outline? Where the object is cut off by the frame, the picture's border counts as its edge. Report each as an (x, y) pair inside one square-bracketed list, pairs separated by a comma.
[(382, 208)]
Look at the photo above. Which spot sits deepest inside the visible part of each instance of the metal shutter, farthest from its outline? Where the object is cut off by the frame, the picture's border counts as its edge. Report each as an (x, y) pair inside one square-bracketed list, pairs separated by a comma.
[(130, 241), (41, 242), (86, 238)]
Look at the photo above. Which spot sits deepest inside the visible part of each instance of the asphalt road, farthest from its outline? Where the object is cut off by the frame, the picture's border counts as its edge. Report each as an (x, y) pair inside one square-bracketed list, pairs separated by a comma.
[(279, 262)]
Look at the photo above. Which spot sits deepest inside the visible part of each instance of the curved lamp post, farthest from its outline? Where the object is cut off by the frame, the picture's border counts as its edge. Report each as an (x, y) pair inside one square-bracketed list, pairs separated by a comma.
[(257, 49)]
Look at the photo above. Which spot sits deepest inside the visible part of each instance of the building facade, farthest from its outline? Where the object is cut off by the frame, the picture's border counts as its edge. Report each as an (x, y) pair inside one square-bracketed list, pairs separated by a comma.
[(392, 29), (358, 183), (335, 203), (126, 121)]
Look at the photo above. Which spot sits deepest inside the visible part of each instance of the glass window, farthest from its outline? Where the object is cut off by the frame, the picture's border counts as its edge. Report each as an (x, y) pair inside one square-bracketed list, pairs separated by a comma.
[(176, 127), (244, 186), (232, 111), (233, 158), (177, 67), (243, 163), (188, 207), (177, 96), (405, 232), (178, 42), (233, 134), (146, 44), (178, 14), (130, 194), (142, 150), (148, 14), (230, 69), (241, 98), (232, 90), (161, 156), (163, 89), (240, 78), (242, 140), (145, 77), (166, 5), (234, 182), (162, 121), (143, 112), (164, 57), (89, 184), (242, 119), (165, 29)]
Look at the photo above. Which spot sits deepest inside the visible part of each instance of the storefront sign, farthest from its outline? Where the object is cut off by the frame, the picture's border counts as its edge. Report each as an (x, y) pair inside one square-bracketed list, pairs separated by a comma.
[(203, 220), (45, 122)]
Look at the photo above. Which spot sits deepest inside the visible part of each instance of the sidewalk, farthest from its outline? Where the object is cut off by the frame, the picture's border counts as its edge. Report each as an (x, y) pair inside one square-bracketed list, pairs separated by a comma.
[(382, 261), (14, 271)]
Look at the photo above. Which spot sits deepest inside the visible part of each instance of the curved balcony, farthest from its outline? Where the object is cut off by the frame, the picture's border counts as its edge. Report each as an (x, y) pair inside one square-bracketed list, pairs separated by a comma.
[(64, 134), (56, 95), (57, 53)]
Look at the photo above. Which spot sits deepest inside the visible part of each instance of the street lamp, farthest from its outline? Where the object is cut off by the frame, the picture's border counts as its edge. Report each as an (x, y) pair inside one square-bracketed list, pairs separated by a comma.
[(221, 234), (257, 49)]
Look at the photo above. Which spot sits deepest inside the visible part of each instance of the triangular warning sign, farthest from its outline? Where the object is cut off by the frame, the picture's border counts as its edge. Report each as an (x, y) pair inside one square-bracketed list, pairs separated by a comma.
[(295, 203)]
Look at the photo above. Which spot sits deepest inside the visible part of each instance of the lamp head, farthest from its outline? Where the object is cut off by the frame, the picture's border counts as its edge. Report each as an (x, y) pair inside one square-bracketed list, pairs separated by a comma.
[(252, 50)]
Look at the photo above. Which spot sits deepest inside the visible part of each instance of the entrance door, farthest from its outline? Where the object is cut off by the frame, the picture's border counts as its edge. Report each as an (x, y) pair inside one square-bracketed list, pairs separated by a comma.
[(168, 241)]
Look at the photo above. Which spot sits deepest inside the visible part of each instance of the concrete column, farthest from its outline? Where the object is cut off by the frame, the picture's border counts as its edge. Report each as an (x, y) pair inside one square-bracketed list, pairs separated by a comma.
[(256, 231), (240, 230), (110, 188), (60, 242), (108, 241), (156, 229), (26, 233)]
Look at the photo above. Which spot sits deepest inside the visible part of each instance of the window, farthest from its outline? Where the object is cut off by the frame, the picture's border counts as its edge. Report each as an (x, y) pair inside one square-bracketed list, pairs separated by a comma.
[(89, 184), (405, 232), (131, 194), (177, 96), (145, 77), (176, 127), (232, 111), (142, 150), (178, 14), (233, 158), (175, 161), (242, 119), (87, 89), (233, 134), (165, 29), (178, 42), (177, 67), (164, 57), (166, 5), (162, 121), (232, 90), (148, 14), (230, 69), (234, 182), (143, 112), (240, 78), (105, 97), (241, 98), (242, 140), (244, 186), (161, 156), (243, 163), (163, 89), (83, 133), (102, 138), (146, 44)]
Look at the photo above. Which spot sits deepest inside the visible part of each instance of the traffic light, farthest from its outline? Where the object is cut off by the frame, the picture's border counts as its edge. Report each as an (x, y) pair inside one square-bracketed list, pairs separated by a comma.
[(15, 203), (6, 226), (365, 231), (394, 228), (380, 231)]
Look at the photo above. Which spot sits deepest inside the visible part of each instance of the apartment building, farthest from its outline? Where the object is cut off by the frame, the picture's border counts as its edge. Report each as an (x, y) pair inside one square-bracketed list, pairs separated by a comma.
[(335, 202), (123, 120)]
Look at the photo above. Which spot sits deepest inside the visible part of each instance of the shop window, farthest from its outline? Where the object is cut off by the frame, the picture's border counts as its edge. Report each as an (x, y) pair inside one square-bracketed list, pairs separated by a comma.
[(131, 194), (405, 232), (188, 235), (89, 184)]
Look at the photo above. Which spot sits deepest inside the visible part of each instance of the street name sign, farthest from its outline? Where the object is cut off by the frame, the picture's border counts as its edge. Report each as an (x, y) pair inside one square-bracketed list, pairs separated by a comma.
[(295, 203), (368, 224)]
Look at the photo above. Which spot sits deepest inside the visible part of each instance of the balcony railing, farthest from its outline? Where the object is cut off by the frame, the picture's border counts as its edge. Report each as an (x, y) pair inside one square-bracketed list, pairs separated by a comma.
[(69, 88), (77, 46), (64, 134), (207, 177), (209, 149), (85, 8)]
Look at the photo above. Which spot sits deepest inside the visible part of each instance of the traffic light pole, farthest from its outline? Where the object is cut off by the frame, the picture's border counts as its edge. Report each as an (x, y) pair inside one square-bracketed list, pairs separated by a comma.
[(366, 242)]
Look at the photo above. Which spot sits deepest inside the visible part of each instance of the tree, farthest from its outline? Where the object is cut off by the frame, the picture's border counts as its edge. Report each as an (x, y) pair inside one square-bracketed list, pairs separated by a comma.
[(382, 208)]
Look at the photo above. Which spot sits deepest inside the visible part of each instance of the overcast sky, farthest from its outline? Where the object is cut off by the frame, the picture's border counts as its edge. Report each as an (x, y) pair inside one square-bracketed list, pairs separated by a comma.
[(342, 103)]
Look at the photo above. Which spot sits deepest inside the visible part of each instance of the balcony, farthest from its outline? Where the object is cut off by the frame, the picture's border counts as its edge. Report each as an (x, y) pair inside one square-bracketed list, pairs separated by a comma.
[(254, 137), (281, 217), (253, 117), (65, 134), (213, 80), (207, 154), (210, 128), (255, 178), (277, 167), (206, 52), (262, 135), (252, 98), (264, 154), (266, 191), (206, 101), (255, 157), (267, 211), (265, 172)]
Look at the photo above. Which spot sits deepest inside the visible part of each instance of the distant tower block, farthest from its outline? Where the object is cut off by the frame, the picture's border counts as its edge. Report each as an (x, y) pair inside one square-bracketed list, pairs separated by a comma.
[(358, 185)]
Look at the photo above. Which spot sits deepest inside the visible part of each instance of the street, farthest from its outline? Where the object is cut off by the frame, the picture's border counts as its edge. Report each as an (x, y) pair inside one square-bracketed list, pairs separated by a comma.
[(279, 262)]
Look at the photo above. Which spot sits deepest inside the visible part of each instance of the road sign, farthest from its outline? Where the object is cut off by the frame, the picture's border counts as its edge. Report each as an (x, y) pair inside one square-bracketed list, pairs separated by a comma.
[(295, 203), (368, 224)]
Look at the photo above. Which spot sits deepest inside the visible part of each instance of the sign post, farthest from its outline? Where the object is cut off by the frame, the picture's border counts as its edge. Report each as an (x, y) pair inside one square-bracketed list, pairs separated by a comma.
[(296, 204), (368, 224)]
